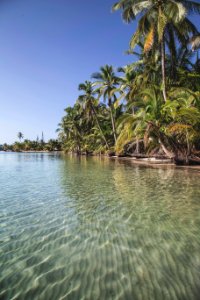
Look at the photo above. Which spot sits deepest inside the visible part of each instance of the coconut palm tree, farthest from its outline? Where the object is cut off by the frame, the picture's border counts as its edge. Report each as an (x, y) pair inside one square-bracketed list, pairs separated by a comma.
[(20, 136), (89, 104), (182, 117), (107, 81), (126, 82), (145, 124), (157, 18), (71, 129)]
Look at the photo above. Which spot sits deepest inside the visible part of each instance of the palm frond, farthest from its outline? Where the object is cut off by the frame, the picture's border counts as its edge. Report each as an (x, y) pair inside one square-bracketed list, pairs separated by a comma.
[(149, 40)]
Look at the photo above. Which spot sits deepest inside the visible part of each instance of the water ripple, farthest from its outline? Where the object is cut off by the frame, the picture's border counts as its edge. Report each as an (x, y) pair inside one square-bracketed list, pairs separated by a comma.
[(97, 229)]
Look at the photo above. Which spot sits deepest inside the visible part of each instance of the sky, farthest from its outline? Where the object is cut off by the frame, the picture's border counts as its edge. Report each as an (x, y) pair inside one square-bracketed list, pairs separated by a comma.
[(47, 48)]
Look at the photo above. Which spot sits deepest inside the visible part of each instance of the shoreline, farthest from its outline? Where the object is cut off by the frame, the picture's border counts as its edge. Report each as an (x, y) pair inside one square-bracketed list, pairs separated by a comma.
[(148, 162), (152, 164)]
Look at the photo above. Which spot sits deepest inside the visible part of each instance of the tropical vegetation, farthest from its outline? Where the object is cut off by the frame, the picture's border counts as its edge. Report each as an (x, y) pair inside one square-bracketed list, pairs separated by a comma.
[(31, 145), (152, 106)]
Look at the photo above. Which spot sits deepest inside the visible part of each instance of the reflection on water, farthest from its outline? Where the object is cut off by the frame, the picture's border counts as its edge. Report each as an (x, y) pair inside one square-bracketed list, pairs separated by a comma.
[(90, 228)]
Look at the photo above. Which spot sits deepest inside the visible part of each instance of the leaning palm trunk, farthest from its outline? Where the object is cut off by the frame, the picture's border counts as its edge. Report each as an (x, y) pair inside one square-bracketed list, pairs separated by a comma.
[(163, 69), (97, 121), (170, 154)]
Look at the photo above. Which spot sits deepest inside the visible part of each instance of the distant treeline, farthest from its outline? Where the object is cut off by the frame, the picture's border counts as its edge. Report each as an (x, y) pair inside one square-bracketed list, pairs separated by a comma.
[(28, 145)]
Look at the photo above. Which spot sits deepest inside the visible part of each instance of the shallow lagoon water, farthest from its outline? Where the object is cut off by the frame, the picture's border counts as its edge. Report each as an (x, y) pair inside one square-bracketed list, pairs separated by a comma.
[(91, 228)]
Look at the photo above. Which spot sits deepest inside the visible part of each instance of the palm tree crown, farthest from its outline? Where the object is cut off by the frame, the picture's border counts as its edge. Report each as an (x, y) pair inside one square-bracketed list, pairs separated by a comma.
[(106, 80), (159, 18), (20, 135)]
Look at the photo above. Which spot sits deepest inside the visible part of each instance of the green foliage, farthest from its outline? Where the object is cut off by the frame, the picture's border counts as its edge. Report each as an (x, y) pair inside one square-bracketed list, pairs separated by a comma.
[(153, 108), (29, 145)]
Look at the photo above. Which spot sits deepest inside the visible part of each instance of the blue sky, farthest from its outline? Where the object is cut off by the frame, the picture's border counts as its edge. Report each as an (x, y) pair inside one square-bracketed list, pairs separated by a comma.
[(47, 48)]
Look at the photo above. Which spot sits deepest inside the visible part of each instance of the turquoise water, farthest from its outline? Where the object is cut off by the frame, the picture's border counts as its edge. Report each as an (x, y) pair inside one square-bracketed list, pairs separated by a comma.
[(90, 228)]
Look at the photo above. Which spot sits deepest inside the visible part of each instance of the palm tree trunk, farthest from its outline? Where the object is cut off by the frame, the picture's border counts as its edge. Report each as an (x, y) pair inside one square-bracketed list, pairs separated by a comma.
[(163, 69), (137, 150), (97, 121), (113, 124), (188, 148), (173, 54), (170, 154), (112, 119)]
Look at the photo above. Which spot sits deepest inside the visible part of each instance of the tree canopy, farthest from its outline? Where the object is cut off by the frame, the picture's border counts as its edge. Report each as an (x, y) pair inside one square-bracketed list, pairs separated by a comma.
[(152, 106)]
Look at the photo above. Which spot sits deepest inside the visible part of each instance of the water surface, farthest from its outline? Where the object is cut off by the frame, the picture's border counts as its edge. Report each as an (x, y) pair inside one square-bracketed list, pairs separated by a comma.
[(90, 228)]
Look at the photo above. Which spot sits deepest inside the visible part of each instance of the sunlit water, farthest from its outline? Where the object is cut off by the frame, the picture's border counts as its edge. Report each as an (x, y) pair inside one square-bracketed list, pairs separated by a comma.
[(93, 228)]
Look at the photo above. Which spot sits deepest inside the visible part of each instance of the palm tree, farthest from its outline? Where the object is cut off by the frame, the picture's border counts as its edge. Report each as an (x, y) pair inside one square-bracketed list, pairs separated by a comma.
[(157, 18), (20, 136), (89, 103), (126, 82), (143, 126), (183, 121), (107, 82), (71, 128)]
